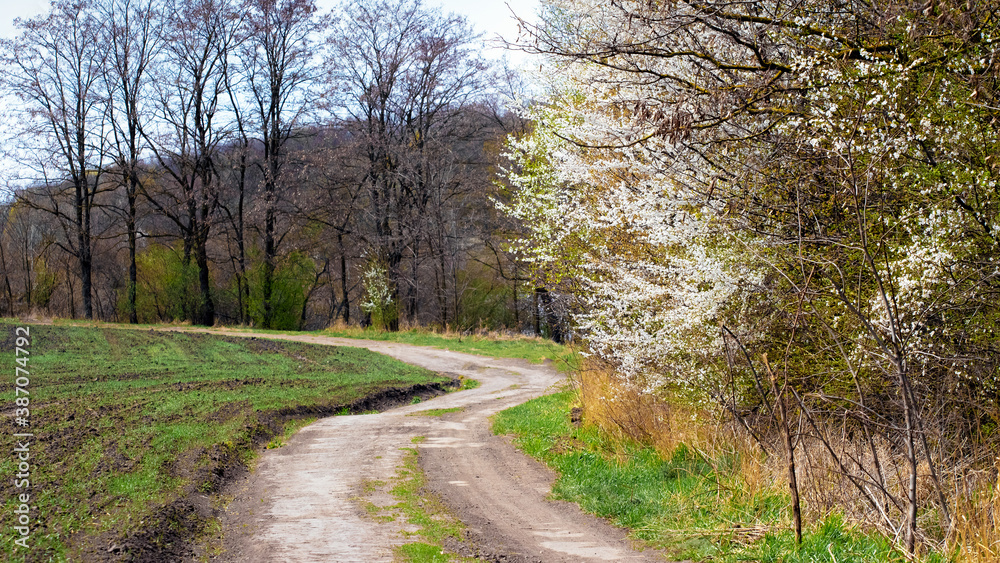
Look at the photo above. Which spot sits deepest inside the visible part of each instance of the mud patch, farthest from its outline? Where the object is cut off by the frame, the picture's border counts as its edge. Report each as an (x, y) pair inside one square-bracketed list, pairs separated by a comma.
[(229, 411), (166, 539)]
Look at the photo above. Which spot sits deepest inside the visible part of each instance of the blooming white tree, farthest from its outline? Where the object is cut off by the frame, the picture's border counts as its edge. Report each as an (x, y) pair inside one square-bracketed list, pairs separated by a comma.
[(722, 181), (628, 227), (377, 301)]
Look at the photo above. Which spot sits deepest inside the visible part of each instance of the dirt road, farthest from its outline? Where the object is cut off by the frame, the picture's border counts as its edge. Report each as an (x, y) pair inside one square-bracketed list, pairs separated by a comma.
[(301, 503)]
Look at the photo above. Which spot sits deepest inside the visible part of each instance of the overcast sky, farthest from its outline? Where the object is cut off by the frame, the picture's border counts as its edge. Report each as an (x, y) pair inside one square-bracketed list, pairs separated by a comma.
[(11, 9), (491, 17)]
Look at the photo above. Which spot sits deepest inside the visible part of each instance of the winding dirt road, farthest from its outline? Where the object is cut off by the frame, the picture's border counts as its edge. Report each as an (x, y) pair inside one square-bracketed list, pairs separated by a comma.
[(301, 502)]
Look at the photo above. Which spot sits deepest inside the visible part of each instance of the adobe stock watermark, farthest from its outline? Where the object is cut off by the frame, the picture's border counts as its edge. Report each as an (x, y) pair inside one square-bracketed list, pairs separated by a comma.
[(22, 438)]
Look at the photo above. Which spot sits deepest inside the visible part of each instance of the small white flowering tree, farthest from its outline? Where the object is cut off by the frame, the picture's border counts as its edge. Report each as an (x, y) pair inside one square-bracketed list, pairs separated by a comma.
[(648, 257), (377, 301)]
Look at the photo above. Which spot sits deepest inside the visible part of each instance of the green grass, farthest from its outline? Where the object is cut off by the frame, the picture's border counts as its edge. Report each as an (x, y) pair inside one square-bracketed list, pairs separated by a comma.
[(126, 421), (420, 509), (466, 383), (419, 552), (424, 511), (692, 508)]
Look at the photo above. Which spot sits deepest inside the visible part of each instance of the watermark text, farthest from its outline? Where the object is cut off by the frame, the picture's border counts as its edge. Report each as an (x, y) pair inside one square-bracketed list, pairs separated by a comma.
[(22, 438)]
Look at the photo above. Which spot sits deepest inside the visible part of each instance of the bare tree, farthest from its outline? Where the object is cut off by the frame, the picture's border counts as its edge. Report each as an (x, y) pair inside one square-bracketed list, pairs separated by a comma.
[(403, 75), (279, 64), (200, 37), (331, 200), (56, 70), (133, 47)]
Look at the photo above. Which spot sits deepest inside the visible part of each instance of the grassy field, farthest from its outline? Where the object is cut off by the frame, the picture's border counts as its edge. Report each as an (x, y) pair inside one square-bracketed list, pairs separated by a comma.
[(131, 425), (492, 344), (694, 508)]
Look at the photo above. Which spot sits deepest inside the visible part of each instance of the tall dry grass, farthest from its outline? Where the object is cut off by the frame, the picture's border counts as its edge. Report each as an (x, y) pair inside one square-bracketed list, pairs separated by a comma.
[(977, 522), (626, 413)]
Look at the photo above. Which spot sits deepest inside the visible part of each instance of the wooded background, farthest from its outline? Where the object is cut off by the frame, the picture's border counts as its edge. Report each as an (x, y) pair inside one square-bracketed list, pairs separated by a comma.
[(256, 163)]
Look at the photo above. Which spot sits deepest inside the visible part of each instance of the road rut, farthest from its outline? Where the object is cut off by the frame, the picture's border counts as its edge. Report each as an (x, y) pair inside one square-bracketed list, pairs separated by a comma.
[(301, 502)]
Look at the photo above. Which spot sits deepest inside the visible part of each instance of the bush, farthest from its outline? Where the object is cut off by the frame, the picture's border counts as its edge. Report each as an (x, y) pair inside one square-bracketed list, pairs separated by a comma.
[(292, 278), (167, 286)]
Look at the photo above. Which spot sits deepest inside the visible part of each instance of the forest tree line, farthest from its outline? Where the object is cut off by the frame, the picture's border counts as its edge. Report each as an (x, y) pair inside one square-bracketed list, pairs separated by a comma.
[(256, 162)]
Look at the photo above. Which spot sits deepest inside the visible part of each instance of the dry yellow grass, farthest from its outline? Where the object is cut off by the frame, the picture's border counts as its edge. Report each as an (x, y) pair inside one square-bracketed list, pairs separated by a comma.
[(626, 413), (623, 411), (977, 525)]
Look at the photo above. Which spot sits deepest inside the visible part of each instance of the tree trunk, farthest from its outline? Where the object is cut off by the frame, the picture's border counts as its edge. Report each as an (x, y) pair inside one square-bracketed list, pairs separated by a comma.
[(395, 259), (86, 287), (440, 283), (133, 314), (343, 280), (244, 285), (411, 288), (555, 331), (517, 320), (83, 246), (786, 434), (26, 269), (206, 308), (538, 316), (267, 284), (911, 457), (72, 292)]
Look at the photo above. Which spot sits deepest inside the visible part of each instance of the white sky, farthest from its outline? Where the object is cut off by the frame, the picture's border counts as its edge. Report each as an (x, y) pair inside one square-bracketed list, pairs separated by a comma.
[(10, 9), (492, 17)]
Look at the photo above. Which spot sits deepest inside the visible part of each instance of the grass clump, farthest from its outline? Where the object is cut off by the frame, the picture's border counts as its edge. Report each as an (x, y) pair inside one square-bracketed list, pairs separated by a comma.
[(434, 526), (692, 505), (420, 552), (126, 422), (467, 383)]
